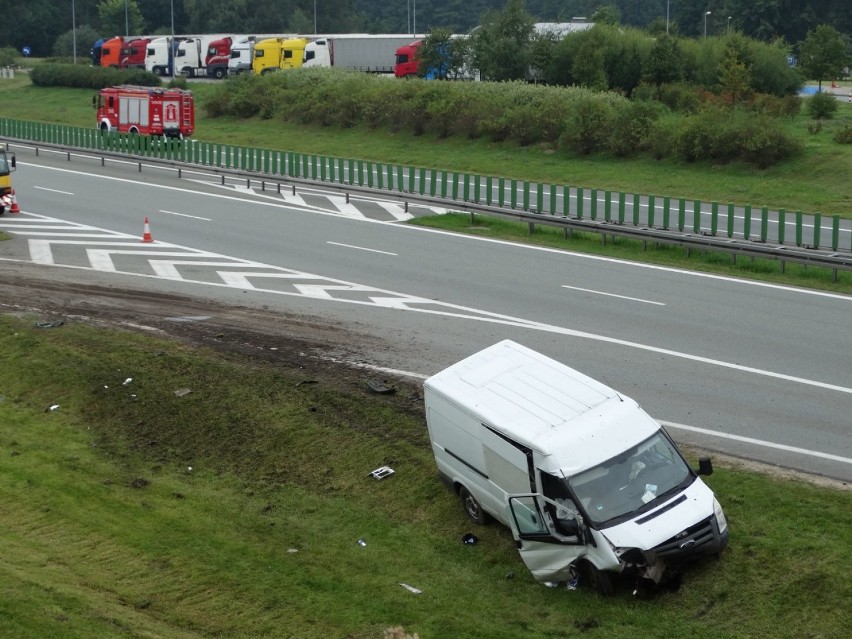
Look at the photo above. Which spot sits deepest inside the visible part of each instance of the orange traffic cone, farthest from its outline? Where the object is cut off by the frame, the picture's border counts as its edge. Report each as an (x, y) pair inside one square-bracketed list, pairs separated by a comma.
[(14, 208), (146, 234)]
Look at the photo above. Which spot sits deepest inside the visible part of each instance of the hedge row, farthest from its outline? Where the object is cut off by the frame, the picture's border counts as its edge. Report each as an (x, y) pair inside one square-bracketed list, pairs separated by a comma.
[(70, 75), (571, 119)]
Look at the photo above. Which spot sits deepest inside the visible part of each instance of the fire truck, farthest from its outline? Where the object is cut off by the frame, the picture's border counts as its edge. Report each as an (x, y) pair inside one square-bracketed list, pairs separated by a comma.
[(145, 111), (7, 165)]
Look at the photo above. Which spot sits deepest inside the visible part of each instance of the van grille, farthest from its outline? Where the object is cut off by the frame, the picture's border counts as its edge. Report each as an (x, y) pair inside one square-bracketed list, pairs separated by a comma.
[(698, 539)]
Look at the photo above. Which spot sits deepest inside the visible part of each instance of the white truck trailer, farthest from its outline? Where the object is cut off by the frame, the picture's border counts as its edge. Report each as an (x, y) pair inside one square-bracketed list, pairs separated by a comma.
[(589, 483), (372, 53)]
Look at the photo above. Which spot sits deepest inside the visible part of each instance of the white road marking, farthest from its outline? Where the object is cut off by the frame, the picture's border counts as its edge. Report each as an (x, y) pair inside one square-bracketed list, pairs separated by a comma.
[(759, 442), (623, 297), (362, 248), (396, 210), (44, 188), (194, 217)]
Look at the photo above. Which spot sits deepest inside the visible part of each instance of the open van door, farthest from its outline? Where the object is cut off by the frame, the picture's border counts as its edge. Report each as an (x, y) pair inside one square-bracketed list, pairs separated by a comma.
[(549, 537)]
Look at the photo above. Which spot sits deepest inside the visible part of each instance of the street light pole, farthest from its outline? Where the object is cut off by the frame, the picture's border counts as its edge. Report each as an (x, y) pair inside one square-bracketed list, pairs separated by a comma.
[(729, 24), (706, 13), (74, 28), (668, 2), (315, 17), (126, 21)]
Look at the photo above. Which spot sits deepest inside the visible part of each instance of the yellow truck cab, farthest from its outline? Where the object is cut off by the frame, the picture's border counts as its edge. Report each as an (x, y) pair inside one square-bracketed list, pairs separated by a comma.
[(273, 54), (7, 165)]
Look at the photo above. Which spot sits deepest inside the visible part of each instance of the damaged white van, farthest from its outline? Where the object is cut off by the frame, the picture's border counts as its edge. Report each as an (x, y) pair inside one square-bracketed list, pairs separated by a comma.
[(588, 482)]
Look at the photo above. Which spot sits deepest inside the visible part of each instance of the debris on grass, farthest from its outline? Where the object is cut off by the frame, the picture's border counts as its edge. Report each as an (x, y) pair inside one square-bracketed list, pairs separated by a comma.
[(416, 591), (382, 472), (180, 392), (380, 388), (469, 539), (54, 324), (51, 408), (362, 543)]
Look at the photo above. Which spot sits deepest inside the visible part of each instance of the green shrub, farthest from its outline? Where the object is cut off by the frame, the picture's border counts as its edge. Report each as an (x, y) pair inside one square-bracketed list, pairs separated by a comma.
[(588, 126), (9, 57), (822, 106), (633, 126), (82, 77), (764, 143), (844, 135)]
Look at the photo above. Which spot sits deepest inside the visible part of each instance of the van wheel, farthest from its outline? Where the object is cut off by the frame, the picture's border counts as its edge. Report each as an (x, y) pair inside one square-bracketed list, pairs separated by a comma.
[(597, 580), (471, 507)]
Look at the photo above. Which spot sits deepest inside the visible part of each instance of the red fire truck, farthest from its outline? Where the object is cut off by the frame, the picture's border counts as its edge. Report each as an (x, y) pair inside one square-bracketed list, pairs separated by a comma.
[(146, 110)]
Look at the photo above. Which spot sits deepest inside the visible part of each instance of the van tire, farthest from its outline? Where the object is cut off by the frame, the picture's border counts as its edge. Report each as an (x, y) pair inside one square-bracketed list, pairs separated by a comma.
[(597, 580), (472, 508)]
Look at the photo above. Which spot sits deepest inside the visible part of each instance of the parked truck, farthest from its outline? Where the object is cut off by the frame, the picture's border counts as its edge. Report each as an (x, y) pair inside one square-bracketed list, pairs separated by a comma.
[(145, 111), (191, 55), (160, 55), (242, 55), (218, 56), (589, 484), (373, 53), (273, 54), (133, 54), (7, 165), (111, 50)]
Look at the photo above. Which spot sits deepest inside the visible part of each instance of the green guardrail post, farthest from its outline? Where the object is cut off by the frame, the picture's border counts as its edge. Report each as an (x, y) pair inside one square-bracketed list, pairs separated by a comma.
[(764, 223), (782, 225), (422, 186), (539, 197), (652, 210), (477, 188), (731, 218), (581, 204), (714, 218), (380, 172), (433, 181), (747, 221), (489, 189), (361, 173), (637, 209), (400, 178), (566, 201), (370, 179), (352, 171), (466, 187), (514, 194), (667, 210), (444, 178), (817, 229), (835, 232), (798, 224), (501, 191), (455, 186), (696, 216), (622, 205), (607, 205), (552, 208), (593, 204), (526, 194)]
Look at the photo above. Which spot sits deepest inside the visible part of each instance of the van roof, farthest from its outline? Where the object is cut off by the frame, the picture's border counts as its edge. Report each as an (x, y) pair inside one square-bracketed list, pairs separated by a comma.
[(545, 405)]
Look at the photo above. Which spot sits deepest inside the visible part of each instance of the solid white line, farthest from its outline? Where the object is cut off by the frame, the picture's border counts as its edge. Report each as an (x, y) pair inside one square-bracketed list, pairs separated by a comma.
[(623, 297), (759, 442), (194, 217), (44, 188), (361, 248)]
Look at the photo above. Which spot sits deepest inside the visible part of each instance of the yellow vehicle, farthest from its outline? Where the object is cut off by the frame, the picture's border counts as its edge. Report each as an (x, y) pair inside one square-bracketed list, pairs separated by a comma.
[(7, 165), (273, 54)]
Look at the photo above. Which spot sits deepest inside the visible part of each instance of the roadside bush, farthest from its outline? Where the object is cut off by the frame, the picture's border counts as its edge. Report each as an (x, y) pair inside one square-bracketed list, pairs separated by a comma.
[(822, 106), (764, 143), (70, 75), (633, 126), (588, 126), (9, 57), (684, 98), (844, 135)]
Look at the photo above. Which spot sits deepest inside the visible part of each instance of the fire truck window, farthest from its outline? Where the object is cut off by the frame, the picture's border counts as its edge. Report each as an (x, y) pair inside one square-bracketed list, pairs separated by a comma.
[(111, 102)]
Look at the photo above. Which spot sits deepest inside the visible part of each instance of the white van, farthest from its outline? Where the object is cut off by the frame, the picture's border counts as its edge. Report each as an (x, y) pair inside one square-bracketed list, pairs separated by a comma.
[(588, 482)]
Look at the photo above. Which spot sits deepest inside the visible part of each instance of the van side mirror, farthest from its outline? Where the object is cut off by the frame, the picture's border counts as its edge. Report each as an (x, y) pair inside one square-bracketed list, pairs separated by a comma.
[(12, 161), (705, 466)]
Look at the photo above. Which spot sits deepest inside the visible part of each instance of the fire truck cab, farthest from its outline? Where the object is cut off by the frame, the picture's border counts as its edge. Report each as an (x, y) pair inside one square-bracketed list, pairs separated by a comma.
[(145, 111)]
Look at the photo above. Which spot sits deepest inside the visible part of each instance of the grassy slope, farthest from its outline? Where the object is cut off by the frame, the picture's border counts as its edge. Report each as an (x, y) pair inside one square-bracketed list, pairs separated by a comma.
[(818, 181), (92, 550)]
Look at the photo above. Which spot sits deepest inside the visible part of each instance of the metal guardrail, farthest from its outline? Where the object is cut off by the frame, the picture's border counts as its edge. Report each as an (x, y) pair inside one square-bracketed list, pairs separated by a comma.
[(665, 220)]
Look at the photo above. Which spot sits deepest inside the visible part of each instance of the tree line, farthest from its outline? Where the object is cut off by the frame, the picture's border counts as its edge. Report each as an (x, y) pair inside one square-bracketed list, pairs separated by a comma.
[(38, 23)]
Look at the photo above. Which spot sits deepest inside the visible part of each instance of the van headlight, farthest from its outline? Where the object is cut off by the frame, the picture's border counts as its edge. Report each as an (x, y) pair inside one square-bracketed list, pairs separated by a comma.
[(721, 521)]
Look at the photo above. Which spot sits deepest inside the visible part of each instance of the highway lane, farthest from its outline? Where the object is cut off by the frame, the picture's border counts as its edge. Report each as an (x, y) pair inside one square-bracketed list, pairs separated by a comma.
[(738, 359)]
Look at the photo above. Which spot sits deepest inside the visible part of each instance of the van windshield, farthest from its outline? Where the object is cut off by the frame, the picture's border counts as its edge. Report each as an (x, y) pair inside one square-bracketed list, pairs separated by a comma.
[(632, 480)]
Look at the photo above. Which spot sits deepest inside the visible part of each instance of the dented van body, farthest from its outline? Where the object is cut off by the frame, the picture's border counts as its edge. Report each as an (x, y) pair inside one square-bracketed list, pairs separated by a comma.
[(587, 481)]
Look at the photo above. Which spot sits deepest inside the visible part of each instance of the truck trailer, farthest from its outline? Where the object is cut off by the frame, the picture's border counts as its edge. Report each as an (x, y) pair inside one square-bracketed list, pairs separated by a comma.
[(372, 53), (589, 484)]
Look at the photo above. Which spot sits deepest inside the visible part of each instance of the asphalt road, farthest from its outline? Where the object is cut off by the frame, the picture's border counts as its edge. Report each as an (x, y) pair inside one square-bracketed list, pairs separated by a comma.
[(757, 371)]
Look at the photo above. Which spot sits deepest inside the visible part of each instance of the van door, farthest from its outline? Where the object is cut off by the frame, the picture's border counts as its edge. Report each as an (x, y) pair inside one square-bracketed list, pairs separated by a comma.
[(548, 541)]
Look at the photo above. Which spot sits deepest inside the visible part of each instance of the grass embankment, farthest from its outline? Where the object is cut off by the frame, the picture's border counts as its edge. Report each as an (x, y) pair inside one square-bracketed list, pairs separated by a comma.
[(815, 182), (235, 511)]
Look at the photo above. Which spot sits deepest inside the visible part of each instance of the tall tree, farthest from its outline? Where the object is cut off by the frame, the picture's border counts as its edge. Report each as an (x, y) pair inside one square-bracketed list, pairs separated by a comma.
[(664, 63), (121, 17), (502, 45), (734, 76), (823, 54)]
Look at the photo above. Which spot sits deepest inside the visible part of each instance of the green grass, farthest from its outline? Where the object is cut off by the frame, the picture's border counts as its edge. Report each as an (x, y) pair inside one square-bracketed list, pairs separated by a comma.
[(107, 531), (815, 182)]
